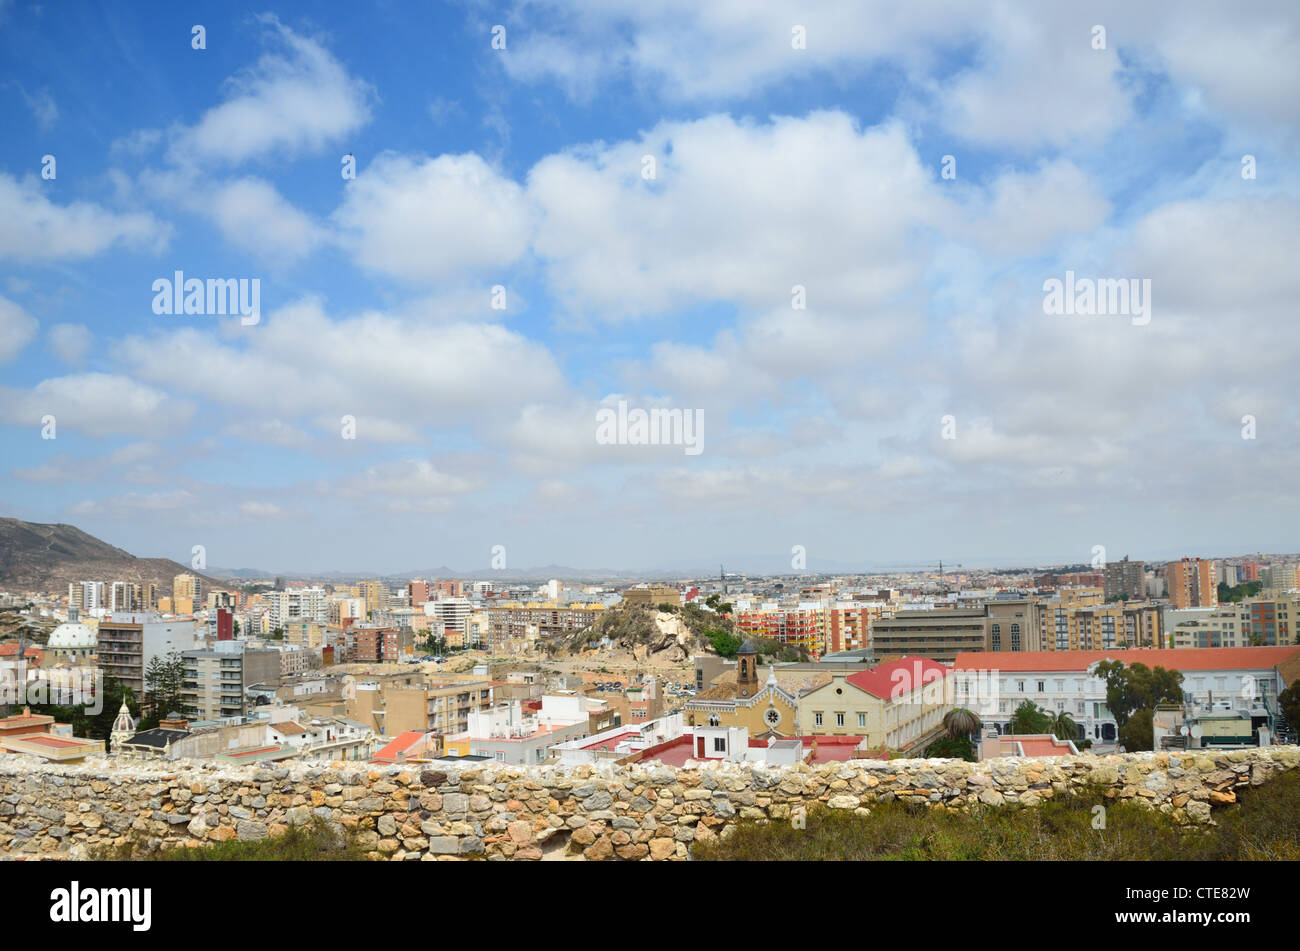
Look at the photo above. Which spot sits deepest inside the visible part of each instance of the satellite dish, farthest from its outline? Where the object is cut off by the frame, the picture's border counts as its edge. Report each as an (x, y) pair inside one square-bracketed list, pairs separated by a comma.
[(1197, 732), (1185, 731)]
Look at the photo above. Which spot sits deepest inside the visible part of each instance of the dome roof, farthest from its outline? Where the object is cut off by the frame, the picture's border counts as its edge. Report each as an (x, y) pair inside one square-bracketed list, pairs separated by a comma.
[(73, 636)]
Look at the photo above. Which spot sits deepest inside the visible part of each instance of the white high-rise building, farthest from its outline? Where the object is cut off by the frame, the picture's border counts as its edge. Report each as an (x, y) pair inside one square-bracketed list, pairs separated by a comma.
[(453, 612), (298, 604)]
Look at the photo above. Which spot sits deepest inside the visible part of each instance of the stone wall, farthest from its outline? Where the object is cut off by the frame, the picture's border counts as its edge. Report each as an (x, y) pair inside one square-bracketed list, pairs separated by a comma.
[(615, 812)]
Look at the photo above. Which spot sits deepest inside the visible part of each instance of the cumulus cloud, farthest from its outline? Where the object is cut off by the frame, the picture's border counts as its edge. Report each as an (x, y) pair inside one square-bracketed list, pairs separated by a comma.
[(70, 342), (96, 404), (17, 328), (296, 100), (617, 245), (38, 230), (426, 220)]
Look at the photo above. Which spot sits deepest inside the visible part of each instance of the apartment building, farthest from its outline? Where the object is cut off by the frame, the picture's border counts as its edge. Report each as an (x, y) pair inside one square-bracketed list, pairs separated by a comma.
[(297, 604), (1125, 579), (1192, 583), (1207, 627), (128, 643), (86, 596), (514, 619), (377, 645), (127, 596), (939, 634), (215, 679), (1278, 578), (450, 612), (847, 624), (1269, 622), (400, 703), (800, 625), (187, 593), (1079, 619), (374, 595), (417, 592)]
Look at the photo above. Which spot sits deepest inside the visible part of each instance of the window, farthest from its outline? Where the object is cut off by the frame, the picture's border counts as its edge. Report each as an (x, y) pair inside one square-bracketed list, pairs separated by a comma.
[(839, 719), (862, 719), (817, 719), (719, 744), (1042, 687)]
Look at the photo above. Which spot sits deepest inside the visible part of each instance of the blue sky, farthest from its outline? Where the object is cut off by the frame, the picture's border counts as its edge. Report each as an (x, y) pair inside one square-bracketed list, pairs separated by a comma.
[(774, 166)]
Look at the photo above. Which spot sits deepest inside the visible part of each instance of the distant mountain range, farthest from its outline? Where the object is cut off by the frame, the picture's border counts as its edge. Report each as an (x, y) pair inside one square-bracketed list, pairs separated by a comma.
[(37, 557)]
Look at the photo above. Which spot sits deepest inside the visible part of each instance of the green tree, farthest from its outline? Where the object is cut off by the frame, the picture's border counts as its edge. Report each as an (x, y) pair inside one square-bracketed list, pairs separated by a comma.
[(1129, 689), (1289, 702), (961, 723), (1062, 726), (1137, 734), (95, 726), (724, 643), (951, 747), (163, 680), (1029, 718)]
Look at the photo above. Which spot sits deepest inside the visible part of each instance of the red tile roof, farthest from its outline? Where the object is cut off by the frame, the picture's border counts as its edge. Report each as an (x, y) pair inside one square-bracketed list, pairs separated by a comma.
[(1197, 658), (7, 650), (899, 676), (1038, 744)]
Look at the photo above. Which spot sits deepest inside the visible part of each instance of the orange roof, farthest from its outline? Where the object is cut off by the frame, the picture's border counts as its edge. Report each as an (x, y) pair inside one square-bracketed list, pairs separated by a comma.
[(400, 744), (54, 742), (31, 651), (1197, 658), (288, 728)]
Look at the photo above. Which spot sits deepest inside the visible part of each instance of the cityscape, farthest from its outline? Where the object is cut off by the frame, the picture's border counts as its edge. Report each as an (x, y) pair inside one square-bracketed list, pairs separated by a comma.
[(657, 437)]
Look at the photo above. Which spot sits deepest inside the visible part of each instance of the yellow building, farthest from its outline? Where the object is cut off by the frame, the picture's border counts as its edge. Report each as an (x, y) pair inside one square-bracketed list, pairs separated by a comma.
[(1079, 619), (185, 593), (899, 705), (374, 594), (766, 710)]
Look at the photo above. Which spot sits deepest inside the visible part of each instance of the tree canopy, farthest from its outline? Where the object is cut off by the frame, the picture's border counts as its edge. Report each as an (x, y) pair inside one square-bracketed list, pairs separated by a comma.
[(1138, 687)]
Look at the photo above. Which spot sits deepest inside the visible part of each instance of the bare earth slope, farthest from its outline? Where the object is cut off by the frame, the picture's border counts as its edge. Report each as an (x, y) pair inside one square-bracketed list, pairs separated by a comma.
[(41, 557)]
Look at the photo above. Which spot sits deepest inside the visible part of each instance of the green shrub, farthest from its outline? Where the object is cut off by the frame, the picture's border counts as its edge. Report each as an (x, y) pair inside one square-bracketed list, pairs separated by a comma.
[(314, 842), (1265, 825)]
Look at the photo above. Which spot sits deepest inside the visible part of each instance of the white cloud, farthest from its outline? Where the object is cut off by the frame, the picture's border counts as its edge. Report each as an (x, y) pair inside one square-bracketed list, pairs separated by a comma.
[(296, 100), (256, 218), (373, 366), (96, 404), (616, 245), (17, 328), (36, 229), (433, 219), (70, 342)]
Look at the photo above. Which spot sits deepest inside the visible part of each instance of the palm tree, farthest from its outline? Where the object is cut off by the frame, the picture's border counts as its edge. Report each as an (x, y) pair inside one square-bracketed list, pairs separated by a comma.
[(960, 722), (1062, 726), (1028, 718)]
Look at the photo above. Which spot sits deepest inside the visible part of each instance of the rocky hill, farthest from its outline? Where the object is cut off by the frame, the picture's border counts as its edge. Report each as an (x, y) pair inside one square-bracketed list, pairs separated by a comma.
[(646, 633), (37, 557)]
